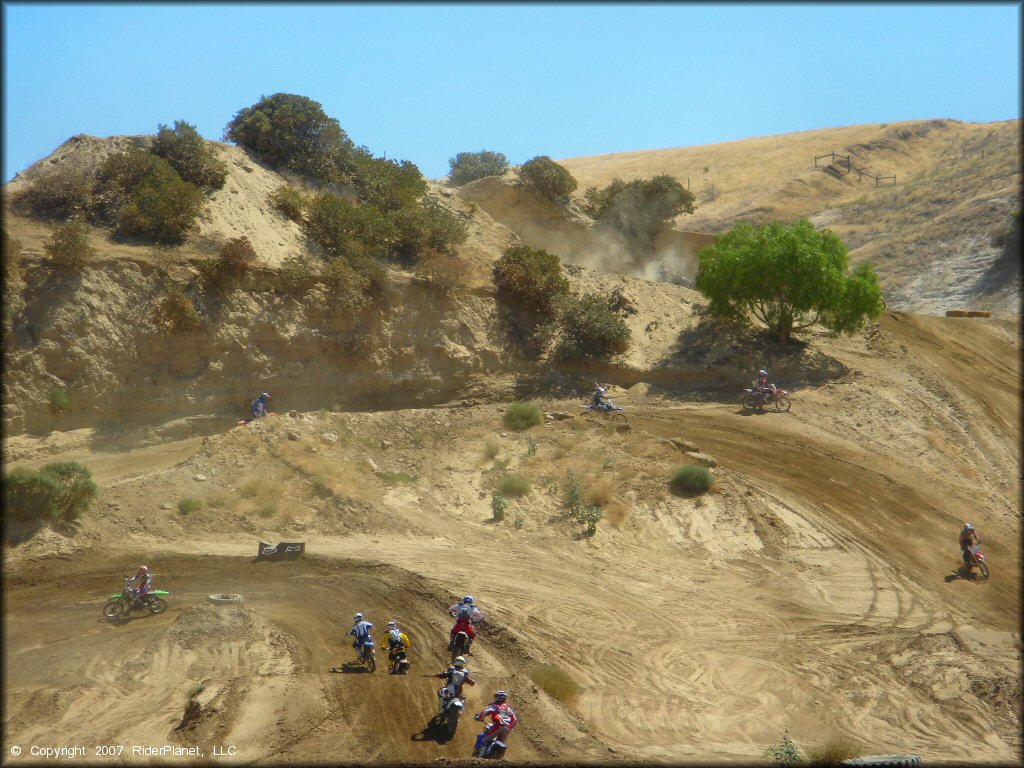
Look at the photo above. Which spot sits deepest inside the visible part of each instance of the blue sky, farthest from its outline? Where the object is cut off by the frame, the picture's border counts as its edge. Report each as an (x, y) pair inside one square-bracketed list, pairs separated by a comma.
[(422, 81)]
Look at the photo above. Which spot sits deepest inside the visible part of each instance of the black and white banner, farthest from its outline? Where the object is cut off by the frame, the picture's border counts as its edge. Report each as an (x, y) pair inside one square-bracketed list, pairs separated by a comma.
[(285, 550)]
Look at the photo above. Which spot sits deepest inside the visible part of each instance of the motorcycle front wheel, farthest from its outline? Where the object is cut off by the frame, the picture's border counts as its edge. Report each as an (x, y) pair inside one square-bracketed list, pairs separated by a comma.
[(371, 661), (782, 404), (114, 609), (617, 418), (157, 605), (983, 568)]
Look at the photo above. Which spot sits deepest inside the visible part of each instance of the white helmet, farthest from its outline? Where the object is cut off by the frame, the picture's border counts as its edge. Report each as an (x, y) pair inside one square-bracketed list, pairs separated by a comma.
[(763, 372), (392, 625), (968, 527), (266, 395), (359, 617), (468, 600), (459, 662)]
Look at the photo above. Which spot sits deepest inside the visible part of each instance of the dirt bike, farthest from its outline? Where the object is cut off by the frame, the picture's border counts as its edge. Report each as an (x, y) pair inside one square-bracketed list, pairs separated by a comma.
[(753, 399), (121, 604), (399, 663), (255, 418), (368, 656), (612, 412), (973, 556), (451, 711), (460, 645), (492, 748)]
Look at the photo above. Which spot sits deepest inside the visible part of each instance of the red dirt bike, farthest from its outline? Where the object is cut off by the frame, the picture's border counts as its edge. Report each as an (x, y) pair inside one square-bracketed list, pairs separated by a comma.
[(973, 556), (249, 421), (752, 399)]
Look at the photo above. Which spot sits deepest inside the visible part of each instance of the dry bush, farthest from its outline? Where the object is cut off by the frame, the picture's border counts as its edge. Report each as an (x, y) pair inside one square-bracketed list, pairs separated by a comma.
[(288, 202), (513, 485), (58, 193), (238, 256), (491, 448), (259, 487), (445, 274), (833, 752), (175, 312), (68, 245), (555, 682), (617, 514)]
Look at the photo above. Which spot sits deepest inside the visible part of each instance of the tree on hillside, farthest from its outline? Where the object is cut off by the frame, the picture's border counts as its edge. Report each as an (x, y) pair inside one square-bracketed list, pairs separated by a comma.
[(531, 287), (387, 184), (189, 154), (470, 166), (788, 278), (641, 209), (293, 132), (547, 178)]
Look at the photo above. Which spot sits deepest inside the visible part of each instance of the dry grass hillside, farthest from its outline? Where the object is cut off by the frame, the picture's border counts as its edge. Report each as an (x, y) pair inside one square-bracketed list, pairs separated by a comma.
[(815, 586)]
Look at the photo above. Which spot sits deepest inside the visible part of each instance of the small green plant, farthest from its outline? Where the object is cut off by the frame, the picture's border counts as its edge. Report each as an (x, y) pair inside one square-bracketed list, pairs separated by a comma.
[(498, 506), (196, 689), (555, 682), (189, 504), (514, 485), (572, 496), (267, 510), (288, 202), (591, 515), (692, 480), (520, 416), (68, 245), (416, 438), (518, 523), (531, 445), (785, 752), (394, 478), (56, 494), (58, 400), (491, 448), (174, 311)]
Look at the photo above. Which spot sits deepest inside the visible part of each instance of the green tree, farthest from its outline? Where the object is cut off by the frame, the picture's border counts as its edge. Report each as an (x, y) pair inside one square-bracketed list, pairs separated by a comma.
[(290, 131), (189, 154), (68, 244), (547, 178), (346, 229), (788, 278), (530, 288), (427, 227), (470, 166), (162, 207), (386, 184), (590, 329), (640, 209)]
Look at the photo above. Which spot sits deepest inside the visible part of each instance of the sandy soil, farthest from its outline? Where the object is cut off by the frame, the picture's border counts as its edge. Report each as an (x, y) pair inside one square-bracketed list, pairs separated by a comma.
[(817, 587)]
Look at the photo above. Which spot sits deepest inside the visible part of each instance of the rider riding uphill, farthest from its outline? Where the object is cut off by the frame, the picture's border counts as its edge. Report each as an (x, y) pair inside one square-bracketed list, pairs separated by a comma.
[(970, 540), (456, 676), (762, 386), (503, 718), (259, 406), (398, 645), (600, 398), (140, 585), (360, 632)]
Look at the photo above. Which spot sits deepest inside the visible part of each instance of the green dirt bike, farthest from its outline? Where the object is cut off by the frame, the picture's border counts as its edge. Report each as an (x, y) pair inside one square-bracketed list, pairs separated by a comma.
[(119, 605)]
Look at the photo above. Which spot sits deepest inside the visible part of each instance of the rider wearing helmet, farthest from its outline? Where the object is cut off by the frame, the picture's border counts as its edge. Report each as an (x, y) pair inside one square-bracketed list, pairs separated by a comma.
[(456, 675), (466, 609), (600, 398), (503, 720), (763, 387), (259, 406), (140, 585), (360, 632), (398, 645), (970, 540)]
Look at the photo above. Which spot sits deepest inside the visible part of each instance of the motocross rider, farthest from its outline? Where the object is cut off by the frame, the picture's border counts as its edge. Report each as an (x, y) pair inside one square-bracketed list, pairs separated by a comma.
[(969, 542), (502, 717), (463, 624), (140, 585), (259, 406), (456, 675), (360, 633), (466, 609), (398, 644), (764, 389), (600, 398)]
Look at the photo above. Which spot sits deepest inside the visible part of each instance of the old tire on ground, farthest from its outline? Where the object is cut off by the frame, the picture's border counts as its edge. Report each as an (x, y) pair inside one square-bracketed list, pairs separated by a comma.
[(897, 761), (225, 599)]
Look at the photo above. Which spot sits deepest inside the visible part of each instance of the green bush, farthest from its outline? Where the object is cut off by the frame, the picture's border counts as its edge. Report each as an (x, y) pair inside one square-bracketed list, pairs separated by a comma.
[(442, 272), (784, 753), (347, 288), (514, 485), (288, 202), (195, 161), (547, 178), (520, 416), (572, 495), (426, 227), (498, 506), (296, 274), (692, 480), (175, 312), (58, 400), (386, 184), (57, 193), (530, 288), (56, 494), (470, 166), (68, 245), (290, 131), (591, 515), (589, 328), (345, 229), (189, 504), (640, 209), (161, 207), (555, 682)]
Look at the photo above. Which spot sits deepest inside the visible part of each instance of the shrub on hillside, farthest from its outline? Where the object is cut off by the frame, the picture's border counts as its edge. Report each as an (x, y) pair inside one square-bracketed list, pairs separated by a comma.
[(833, 753), (470, 166), (427, 227), (286, 130), (498, 506), (442, 272), (296, 274), (386, 184), (175, 312), (190, 155), (692, 480), (345, 229), (238, 256), (530, 289), (12, 293), (555, 682), (347, 288), (57, 193), (68, 245), (288, 202), (161, 207), (640, 209), (189, 504), (520, 416), (513, 485), (57, 399), (56, 494), (589, 328), (547, 178)]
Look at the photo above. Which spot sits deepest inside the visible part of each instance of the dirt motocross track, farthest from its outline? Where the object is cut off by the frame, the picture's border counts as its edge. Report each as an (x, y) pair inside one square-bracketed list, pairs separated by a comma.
[(817, 587)]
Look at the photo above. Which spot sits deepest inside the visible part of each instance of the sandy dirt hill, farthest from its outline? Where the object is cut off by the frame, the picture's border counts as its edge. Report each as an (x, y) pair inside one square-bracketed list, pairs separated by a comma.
[(817, 586)]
